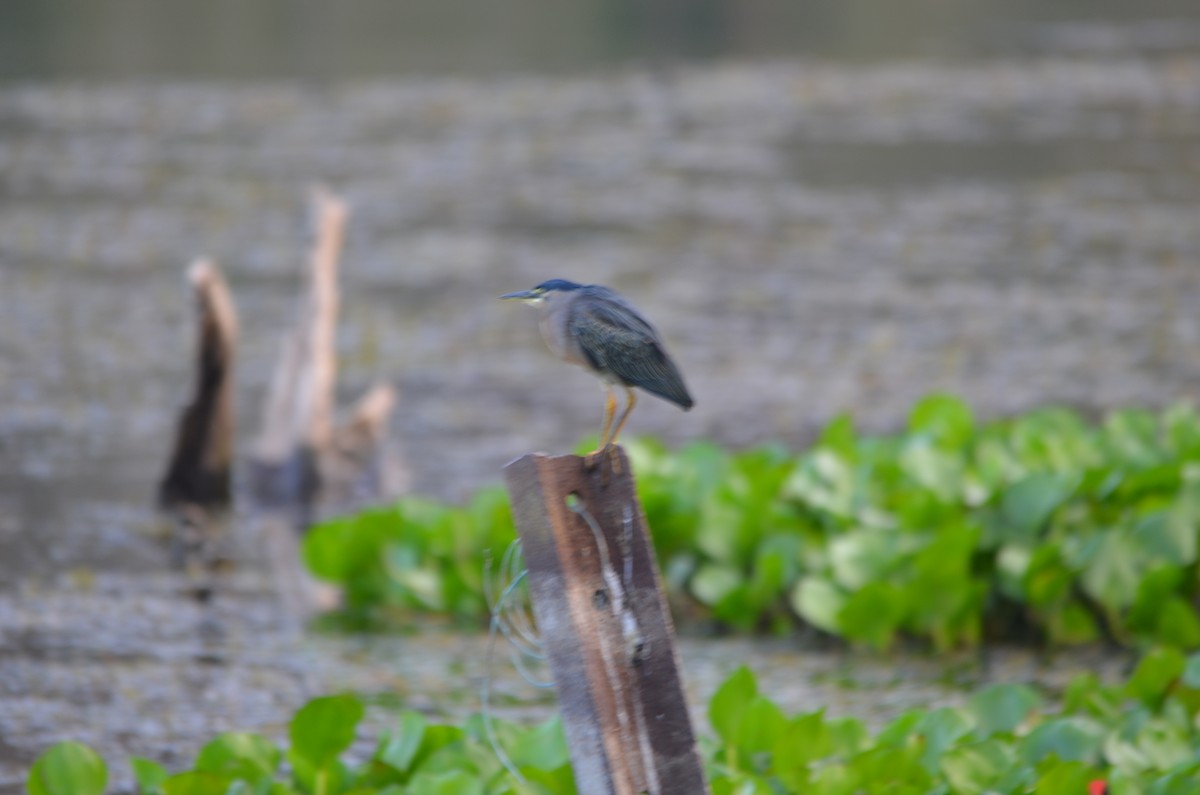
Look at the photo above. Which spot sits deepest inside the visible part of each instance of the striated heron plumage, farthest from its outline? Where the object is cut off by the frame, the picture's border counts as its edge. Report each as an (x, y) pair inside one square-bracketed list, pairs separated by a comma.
[(595, 327)]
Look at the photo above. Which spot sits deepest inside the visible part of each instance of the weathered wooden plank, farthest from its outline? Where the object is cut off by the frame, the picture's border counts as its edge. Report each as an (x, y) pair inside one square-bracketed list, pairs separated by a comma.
[(605, 625)]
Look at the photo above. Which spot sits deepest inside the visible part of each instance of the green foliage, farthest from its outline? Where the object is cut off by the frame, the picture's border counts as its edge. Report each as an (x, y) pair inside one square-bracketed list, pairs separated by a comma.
[(68, 768), (1142, 736), (1038, 528)]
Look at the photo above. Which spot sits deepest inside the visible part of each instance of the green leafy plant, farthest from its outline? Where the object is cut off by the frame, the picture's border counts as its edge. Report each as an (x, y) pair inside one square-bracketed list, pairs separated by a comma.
[(1141, 736), (1039, 528)]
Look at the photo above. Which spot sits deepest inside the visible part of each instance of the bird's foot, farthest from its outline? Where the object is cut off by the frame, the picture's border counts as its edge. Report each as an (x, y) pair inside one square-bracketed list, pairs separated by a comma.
[(597, 457)]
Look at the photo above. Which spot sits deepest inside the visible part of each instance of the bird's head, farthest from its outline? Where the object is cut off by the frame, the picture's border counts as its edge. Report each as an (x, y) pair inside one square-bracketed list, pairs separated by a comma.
[(545, 292)]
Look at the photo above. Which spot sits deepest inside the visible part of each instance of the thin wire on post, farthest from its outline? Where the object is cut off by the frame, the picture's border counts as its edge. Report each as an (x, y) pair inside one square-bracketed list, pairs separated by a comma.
[(508, 603)]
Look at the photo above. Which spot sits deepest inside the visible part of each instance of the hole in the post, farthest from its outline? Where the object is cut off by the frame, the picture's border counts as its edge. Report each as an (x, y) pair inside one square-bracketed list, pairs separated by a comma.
[(600, 599), (574, 502)]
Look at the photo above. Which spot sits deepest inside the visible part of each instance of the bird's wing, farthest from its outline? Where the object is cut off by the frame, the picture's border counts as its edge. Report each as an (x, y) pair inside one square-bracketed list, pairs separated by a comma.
[(615, 339)]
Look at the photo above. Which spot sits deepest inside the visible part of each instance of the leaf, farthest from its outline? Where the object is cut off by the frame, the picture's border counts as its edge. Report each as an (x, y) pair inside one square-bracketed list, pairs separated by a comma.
[(819, 602), (944, 418), (1027, 504), (149, 774), (860, 557), (804, 739), (196, 782), (1131, 436), (941, 728), (325, 727), (729, 703), (972, 769), (1191, 672), (1115, 570), (68, 768), (456, 782), (1065, 778), (840, 437), (873, 614), (1000, 709), (398, 749), (1069, 739), (1155, 673), (543, 747), (713, 582), (936, 470), (240, 755), (760, 726)]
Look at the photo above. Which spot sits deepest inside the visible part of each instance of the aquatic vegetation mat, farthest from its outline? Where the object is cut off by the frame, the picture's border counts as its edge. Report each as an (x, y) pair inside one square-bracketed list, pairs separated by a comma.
[(1041, 528), (1141, 736)]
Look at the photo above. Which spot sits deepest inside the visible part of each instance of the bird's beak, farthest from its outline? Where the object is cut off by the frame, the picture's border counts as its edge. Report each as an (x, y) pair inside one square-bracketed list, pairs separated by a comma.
[(523, 295)]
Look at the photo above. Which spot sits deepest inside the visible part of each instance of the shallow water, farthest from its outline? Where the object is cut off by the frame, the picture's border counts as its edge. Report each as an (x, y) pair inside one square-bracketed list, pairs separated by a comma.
[(812, 231)]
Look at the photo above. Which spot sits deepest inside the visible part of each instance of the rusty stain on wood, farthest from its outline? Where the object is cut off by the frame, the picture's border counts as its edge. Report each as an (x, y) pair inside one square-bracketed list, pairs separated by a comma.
[(605, 625)]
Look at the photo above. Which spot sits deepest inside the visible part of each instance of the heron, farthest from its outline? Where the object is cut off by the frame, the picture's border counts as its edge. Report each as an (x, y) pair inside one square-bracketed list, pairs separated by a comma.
[(598, 329)]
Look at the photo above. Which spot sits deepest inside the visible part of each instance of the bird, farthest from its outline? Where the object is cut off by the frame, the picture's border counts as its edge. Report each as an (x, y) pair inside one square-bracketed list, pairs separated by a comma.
[(598, 329)]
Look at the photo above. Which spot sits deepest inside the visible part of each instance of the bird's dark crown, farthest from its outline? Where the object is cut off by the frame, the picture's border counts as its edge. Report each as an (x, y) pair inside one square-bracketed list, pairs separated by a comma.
[(561, 285)]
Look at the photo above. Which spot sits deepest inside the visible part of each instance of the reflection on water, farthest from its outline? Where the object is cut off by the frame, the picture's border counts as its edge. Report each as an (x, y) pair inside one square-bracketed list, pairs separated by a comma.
[(361, 38)]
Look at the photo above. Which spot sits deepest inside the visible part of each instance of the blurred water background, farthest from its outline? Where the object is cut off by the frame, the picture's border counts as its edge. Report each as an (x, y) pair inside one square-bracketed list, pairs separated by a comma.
[(826, 207)]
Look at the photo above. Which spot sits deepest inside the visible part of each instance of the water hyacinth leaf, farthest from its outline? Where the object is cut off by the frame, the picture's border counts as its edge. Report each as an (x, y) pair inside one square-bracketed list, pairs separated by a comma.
[(938, 472), (859, 557), (840, 437), (1000, 709), (422, 580), (974, 769), (1071, 739), (728, 704), (1132, 436), (1165, 744), (819, 602), (848, 736), (68, 768), (873, 614), (1182, 426), (398, 748), (1065, 777), (825, 481), (941, 729), (713, 582), (1028, 504), (149, 775), (197, 782), (944, 418), (776, 565), (761, 725), (1155, 673), (543, 747), (804, 739), (1115, 570), (241, 755), (457, 782), (1191, 672), (325, 727), (1177, 624)]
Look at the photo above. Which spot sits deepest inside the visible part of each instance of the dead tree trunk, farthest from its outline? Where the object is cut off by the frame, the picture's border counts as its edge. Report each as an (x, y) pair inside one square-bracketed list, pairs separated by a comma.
[(301, 457), (198, 472), (605, 627), (196, 487)]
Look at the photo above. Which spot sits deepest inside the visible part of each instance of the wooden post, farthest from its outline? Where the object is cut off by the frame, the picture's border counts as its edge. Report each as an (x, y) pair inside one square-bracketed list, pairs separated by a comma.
[(605, 626)]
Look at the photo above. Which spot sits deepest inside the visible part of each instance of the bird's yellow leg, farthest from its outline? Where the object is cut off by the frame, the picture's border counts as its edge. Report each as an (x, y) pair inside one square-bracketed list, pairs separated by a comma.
[(624, 416), (612, 440), (610, 409)]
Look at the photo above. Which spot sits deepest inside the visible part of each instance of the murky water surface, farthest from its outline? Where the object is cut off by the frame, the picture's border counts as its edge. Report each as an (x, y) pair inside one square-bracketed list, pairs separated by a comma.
[(1018, 222)]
